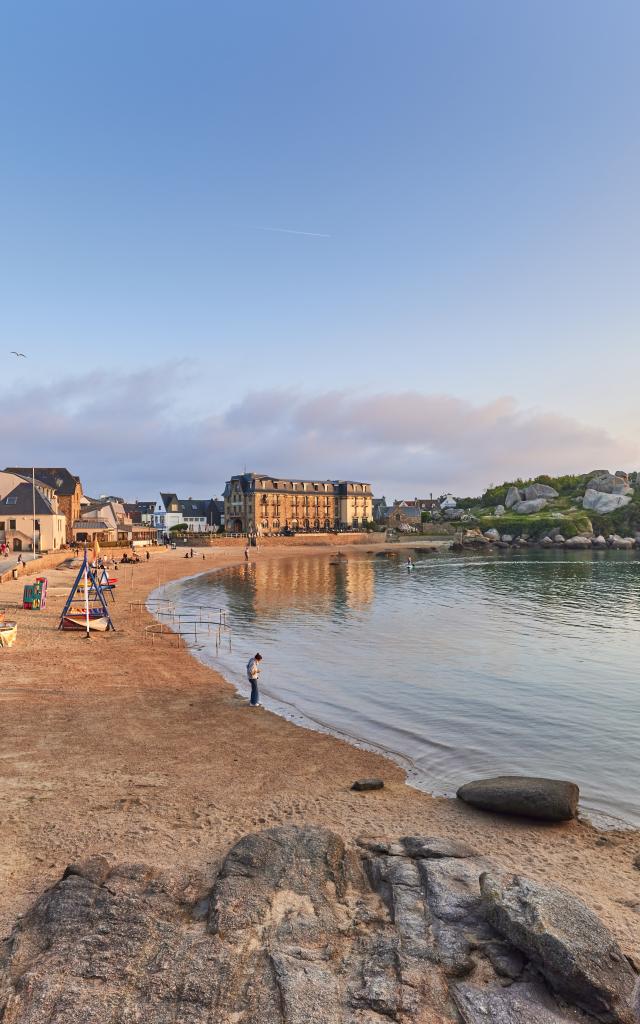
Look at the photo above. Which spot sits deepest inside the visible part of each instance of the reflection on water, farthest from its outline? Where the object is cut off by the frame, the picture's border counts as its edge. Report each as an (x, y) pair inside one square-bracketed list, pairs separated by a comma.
[(466, 667), (276, 588)]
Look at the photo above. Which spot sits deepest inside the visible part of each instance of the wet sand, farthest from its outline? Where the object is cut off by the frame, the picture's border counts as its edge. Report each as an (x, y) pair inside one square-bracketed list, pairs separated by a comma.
[(135, 749)]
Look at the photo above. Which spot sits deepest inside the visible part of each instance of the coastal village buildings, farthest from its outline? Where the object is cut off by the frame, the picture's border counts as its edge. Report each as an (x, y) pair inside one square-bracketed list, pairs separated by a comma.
[(380, 511), (67, 489), (104, 520), (259, 504), (408, 512), (25, 509), (143, 512), (199, 515)]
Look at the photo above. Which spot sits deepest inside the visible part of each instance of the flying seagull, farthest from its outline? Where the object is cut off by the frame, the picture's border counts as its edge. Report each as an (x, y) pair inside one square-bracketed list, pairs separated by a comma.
[(20, 355)]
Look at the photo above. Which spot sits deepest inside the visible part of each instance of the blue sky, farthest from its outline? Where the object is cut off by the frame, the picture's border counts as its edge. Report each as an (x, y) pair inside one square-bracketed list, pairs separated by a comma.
[(468, 177)]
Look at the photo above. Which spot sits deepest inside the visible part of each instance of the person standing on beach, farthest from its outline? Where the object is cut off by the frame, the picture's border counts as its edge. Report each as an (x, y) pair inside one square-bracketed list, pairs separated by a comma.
[(253, 671), (246, 553)]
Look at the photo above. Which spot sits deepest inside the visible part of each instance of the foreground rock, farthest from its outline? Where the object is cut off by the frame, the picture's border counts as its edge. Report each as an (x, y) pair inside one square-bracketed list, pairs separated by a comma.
[(362, 785), (544, 799), (298, 929), (567, 942)]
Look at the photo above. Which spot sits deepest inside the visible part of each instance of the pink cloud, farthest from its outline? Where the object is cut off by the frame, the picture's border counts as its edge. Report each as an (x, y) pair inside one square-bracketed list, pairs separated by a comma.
[(130, 434)]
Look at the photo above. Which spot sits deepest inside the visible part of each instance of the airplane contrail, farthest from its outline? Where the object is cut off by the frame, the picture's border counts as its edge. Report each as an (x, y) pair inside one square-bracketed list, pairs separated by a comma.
[(290, 231)]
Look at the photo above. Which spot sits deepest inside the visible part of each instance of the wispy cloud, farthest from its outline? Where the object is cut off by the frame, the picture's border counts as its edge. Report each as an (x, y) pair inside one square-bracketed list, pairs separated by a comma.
[(129, 434), (291, 231)]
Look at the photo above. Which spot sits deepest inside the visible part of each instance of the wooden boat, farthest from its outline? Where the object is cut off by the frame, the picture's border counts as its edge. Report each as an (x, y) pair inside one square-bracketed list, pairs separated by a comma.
[(76, 618)]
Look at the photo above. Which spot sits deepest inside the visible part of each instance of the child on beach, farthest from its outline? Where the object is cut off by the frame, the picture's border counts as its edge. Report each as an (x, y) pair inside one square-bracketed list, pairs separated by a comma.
[(253, 671)]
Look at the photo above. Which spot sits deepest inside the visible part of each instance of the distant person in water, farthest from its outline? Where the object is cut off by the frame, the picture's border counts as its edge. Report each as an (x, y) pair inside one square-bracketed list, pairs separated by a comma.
[(253, 672), (409, 563)]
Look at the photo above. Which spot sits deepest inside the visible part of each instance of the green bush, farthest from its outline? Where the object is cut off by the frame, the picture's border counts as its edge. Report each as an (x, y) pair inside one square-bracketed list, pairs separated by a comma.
[(538, 525), (179, 528)]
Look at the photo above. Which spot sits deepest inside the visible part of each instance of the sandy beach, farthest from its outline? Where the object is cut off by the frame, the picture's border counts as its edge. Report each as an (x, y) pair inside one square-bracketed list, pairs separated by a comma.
[(135, 749)]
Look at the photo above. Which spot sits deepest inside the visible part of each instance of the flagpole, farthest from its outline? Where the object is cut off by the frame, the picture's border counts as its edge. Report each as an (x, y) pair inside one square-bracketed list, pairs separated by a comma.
[(86, 592), (33, 496)]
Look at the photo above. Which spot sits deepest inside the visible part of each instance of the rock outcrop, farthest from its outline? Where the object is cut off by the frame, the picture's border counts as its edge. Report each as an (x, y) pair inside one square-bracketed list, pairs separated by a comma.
[(603, 502), (527, 508), (298, 929), (608, 483), (513, 496), (544, 799), (567, 942), (540, 491)]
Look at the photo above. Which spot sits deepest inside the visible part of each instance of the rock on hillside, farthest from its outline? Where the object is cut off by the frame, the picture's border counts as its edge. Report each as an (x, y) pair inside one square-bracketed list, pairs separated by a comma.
[(513, 496), (298, 929), (608, 483), (603, 502), (527, 508), (534, 491)]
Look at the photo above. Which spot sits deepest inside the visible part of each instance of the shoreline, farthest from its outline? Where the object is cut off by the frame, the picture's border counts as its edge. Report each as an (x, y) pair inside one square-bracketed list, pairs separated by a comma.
[(139, 749), (605, 821)]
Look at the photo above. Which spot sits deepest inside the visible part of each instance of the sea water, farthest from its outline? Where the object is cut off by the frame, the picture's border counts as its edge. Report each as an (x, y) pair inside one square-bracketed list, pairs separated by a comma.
[(462, 668)]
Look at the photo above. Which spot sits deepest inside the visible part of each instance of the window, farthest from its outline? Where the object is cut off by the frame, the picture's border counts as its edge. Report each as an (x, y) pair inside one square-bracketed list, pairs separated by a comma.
[(11, 501), (2, 524), (12, 524)]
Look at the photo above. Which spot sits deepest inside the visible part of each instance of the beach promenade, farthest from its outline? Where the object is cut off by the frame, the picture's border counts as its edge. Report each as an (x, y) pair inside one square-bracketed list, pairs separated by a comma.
[(122, 746)]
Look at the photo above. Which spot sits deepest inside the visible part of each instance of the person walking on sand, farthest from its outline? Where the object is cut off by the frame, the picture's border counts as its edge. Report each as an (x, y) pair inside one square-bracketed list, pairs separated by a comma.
[(253, 671), (246, 553)]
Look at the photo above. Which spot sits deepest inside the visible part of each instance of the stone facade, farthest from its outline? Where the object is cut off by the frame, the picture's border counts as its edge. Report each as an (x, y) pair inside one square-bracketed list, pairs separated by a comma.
[(260, 504)]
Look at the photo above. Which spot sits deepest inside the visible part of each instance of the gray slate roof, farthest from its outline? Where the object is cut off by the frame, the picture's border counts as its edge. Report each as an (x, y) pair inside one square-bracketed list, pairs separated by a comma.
[(59, 479), (23, 503)]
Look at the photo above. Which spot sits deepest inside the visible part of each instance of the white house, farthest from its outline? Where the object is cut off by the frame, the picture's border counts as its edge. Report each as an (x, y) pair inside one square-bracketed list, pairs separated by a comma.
[(200, 515)]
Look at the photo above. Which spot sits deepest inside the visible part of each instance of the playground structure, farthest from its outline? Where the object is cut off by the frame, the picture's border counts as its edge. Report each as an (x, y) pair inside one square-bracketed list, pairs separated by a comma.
[(92, 615), (34, 595)]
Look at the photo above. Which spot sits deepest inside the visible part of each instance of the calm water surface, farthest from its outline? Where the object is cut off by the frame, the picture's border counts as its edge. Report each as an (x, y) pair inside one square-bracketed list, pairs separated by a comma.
[(464, 667)]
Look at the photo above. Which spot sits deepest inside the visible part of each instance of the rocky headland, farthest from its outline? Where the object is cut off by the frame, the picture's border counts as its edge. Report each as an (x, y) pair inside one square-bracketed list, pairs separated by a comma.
[(597, 510)]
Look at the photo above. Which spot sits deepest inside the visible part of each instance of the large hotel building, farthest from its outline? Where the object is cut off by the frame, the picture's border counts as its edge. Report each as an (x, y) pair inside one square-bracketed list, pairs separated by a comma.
[(254, 503)]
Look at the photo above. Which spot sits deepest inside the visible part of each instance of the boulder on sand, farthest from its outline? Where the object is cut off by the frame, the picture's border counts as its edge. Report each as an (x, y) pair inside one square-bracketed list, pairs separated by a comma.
[(568, 944), (544, 799), (362, 785)]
